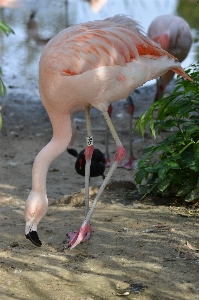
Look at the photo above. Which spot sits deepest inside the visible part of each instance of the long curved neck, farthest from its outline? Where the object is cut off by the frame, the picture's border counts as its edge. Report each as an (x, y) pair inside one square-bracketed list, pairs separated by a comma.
[(57, 145)]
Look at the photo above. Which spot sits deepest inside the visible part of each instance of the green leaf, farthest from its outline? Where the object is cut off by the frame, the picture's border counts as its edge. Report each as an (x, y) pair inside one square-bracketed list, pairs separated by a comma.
[(184, 190), (140, 176), (193, 195), (0, 121), (163, 184), (185, 147), (2, 88), (188, 158), (190, 128), (147, 118), (5, 28), (196, 151), (162, 172), (172, 166)]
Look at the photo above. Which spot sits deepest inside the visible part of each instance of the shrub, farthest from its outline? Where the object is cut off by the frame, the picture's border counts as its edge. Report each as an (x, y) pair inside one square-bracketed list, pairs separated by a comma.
[(176, 173), (6, 30)]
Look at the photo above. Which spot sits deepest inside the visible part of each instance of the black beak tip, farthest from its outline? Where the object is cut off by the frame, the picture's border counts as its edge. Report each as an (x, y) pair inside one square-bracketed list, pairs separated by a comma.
[(33, 237)]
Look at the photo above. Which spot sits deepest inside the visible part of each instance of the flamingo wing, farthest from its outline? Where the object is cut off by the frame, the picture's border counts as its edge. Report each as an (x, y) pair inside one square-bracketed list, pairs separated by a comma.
[(101, 43)]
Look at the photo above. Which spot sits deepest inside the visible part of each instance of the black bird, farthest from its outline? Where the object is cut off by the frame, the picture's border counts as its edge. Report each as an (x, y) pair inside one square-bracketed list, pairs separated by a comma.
[(98, 161)]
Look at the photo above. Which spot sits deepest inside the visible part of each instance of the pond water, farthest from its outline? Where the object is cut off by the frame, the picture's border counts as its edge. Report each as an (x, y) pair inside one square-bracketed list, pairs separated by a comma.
[(20, 54)]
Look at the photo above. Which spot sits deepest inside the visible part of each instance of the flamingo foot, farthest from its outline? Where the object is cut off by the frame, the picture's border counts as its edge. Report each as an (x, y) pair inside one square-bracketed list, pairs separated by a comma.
[(107, 162), (80, 236), (129, 165)]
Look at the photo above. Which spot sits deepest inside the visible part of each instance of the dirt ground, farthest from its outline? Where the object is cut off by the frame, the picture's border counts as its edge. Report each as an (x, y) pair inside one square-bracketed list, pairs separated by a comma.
[(139, 249)]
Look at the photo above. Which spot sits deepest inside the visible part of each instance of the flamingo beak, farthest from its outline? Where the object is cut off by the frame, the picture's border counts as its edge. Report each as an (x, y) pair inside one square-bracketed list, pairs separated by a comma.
[(31, 232), (34, 238)]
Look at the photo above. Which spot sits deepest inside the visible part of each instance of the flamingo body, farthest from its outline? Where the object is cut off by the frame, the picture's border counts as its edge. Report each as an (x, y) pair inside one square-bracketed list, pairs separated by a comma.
[(33, 31), (98, 52), (91, 64), (173, 34), (9, 3), (96, 5), (126, 21)]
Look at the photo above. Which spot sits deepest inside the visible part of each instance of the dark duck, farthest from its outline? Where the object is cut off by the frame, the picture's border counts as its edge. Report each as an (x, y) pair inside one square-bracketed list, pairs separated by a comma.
[(97, 166)]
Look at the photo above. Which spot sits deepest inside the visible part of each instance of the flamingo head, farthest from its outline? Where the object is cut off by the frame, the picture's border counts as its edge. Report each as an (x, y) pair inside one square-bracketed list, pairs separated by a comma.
[(36, 208)]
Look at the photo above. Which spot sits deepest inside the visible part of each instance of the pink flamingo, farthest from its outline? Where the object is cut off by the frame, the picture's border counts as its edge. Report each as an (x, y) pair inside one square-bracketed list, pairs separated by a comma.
[(9, 3), (173, 34), (33, 31), (90, 64), (96, 5)]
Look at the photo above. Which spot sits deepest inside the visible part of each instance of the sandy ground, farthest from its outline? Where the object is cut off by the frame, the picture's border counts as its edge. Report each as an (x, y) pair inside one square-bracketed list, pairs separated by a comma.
[(138, 250)]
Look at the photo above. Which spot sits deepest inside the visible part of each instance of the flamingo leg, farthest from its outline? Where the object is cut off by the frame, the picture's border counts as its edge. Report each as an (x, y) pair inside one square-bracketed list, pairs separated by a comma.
[(86, 232), (159, 89), (88, 155), (131, 160), (120, 154), (107, 157)]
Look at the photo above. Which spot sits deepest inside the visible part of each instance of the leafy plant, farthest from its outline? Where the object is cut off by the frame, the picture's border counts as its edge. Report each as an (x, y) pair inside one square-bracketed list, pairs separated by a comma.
[(2, 86), (6, 30), (177, 170)]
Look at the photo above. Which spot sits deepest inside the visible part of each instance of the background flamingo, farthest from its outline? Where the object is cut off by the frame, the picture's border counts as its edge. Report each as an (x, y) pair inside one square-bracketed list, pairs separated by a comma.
[(33, 31), (91, 64), (173, 34), (9, 3), (96, 5)]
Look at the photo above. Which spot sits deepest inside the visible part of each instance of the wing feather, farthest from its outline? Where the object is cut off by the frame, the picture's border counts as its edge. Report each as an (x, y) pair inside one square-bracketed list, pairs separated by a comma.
[(101, 43)]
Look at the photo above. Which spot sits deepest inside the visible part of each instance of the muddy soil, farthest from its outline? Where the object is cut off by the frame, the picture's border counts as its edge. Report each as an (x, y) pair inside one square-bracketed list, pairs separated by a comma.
[(138, 250)]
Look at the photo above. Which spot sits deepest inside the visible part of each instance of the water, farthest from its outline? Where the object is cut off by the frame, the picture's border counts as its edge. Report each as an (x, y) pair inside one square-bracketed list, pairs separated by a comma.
[(20, 54)]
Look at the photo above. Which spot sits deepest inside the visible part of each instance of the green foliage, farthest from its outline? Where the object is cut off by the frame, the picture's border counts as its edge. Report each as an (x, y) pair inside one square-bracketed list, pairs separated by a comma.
[(176, 173), (2, 86), (6, 30), (189, 9)]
